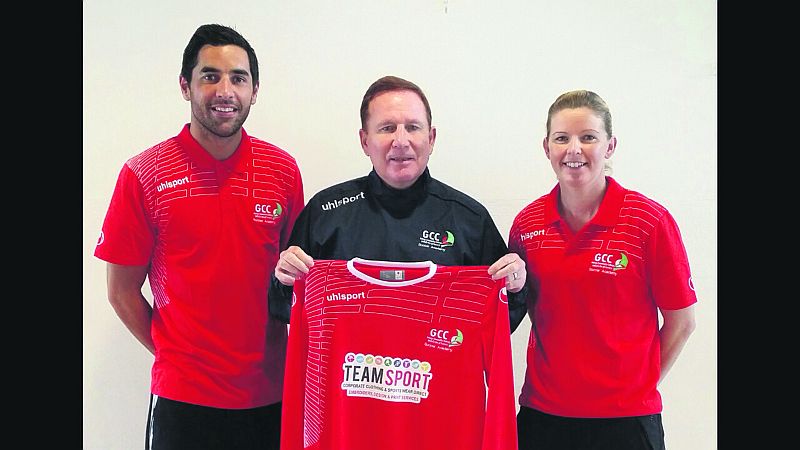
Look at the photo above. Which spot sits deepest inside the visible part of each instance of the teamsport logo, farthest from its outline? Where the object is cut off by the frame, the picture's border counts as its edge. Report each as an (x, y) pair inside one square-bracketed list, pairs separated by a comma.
[(608, 263), (267, 212), (444, 339), (391, 379), (437, 240)]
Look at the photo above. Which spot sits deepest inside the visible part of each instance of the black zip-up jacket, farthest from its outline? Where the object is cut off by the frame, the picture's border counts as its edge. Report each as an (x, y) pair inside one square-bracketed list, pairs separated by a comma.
[(366, 218)]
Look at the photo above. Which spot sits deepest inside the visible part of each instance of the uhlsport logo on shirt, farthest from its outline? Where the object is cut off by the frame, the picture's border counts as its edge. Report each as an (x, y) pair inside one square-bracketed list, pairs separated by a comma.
[(608, 263), (387, 378), (531, 234), (267, 212), (332, 204), (437, 240), (442, 339)]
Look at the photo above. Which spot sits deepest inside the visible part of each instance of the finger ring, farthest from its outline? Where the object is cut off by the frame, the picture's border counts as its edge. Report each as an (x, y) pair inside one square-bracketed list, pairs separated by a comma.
[(515, 275)]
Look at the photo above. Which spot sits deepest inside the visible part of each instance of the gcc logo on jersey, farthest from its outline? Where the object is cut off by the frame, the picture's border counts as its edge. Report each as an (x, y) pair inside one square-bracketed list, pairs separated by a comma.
[(267, 212), (609, 262), (437, 240), (444, 339)]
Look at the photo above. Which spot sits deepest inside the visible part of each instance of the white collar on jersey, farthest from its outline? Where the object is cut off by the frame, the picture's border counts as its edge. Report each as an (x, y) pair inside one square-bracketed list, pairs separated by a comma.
[(392, 266)]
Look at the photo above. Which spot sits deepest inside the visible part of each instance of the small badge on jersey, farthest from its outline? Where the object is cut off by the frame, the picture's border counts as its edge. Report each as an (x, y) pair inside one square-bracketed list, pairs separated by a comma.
[(442, 339), (392, 275), (268, 212), (608, 263)]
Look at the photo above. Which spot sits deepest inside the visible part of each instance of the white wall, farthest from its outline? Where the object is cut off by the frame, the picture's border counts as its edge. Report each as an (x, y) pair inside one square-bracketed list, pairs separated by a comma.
[(490, 70)]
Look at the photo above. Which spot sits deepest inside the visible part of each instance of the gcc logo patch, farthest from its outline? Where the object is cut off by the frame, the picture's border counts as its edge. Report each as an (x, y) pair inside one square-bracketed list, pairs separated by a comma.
[(437, 240), (608, 263), (444, 339), (267, 212)]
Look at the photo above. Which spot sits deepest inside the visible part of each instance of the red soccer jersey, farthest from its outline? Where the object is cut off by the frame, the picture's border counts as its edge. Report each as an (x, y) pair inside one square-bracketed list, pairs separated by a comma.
[(211, 232), (594, 350), (401, 356)]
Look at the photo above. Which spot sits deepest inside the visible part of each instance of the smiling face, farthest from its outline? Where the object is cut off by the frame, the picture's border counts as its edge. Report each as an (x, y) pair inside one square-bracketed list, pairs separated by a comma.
[(398, 138), (578, 146), (221, 92)]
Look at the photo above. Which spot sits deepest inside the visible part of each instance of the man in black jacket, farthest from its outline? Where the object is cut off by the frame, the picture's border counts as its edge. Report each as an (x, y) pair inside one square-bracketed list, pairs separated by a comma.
[(398, 212)]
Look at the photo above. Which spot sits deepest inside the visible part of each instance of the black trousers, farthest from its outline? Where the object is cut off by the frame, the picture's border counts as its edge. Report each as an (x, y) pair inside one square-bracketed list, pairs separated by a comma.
[(539, 431), (173, 425)]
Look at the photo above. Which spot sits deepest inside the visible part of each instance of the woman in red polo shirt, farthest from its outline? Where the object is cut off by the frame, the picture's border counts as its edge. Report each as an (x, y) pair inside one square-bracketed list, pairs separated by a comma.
[(602, 261)]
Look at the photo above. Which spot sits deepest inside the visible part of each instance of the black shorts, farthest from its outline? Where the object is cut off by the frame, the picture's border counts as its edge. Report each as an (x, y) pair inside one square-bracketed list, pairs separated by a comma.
[(540, 431), (173, 425)]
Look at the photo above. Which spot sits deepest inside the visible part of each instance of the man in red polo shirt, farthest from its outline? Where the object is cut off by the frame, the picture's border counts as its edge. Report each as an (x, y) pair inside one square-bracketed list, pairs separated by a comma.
[(204, 216)]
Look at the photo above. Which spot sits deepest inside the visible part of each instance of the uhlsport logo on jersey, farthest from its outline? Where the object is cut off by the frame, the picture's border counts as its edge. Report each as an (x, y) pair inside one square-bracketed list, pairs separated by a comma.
[(387, 378), (608, 263), (346, 296), (437, 240), (267, 212), (442, 339)]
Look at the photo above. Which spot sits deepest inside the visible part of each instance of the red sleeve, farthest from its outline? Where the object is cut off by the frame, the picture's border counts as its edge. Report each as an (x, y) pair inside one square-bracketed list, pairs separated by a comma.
[(671, 284), (127, 236), (293, 408), (500, 426)]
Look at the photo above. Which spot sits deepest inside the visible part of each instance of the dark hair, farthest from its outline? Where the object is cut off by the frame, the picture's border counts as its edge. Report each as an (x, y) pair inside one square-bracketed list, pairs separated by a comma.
[(581, 99), (216, 35), (390, 83)]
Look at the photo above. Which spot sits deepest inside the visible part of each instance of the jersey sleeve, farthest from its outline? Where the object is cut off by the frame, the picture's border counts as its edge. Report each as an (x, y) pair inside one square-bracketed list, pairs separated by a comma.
[(279, 296), (296, 203), (671, 284), (293, 408), (518, 302), (127, 236), (500, 424)]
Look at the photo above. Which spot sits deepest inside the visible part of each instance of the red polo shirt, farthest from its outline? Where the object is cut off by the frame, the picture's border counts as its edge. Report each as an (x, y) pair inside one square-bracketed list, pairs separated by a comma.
[(596, 350), (211, 232)]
